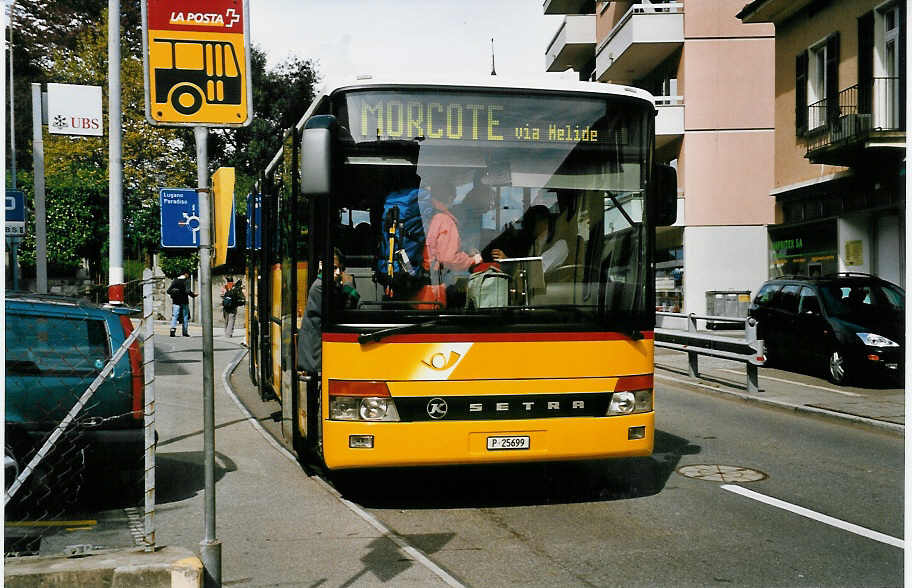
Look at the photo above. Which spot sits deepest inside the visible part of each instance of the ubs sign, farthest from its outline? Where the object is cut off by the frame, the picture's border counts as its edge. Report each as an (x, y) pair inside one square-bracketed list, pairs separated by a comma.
[(74, 110)]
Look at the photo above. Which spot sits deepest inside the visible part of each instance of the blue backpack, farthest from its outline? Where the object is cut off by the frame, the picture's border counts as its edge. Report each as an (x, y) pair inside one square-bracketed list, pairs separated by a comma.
[(400, 265)]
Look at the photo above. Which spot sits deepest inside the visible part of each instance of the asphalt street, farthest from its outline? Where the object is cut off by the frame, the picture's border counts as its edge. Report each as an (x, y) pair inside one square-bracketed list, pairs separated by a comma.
[(740, 490)]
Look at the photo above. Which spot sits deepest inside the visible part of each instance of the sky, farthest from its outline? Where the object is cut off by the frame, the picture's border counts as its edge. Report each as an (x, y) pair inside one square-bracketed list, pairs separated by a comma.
[(381, 37)]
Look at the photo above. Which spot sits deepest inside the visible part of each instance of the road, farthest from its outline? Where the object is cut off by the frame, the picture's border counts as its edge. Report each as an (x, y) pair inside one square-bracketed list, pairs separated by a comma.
[(643, 522)]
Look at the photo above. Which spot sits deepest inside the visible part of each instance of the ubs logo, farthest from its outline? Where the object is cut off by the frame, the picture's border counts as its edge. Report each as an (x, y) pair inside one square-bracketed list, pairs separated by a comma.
[(437, 408), (440, 361)]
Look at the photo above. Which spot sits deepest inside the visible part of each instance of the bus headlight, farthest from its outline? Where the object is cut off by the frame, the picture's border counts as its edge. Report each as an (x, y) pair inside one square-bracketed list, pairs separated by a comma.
[(378, 409), (630, 402), (351, 408)]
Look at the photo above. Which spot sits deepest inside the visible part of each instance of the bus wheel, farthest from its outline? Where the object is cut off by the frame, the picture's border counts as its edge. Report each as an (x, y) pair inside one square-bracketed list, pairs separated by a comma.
[(178, 100)]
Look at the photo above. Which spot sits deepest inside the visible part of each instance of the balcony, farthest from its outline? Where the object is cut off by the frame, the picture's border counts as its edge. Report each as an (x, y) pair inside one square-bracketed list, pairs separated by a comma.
[(669, 124), (644, 37), (573, 45), (866, 118), (568, 6)]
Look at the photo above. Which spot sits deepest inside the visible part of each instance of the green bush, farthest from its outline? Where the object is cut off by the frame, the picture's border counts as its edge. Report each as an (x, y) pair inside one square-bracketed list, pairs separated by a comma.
[(172, 265)]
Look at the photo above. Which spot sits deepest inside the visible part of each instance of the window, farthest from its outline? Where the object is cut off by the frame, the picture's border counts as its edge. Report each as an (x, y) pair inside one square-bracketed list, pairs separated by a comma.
[(788, 298), (807, 302), (55, 345), (765, 295), (817, 86)]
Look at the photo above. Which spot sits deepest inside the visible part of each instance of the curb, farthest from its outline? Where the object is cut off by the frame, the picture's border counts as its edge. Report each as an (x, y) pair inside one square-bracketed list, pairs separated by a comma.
[(167, 567), (801, 408)]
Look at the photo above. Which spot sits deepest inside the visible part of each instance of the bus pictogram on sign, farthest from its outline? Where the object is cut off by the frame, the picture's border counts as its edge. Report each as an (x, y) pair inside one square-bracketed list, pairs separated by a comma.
[(196, 61)]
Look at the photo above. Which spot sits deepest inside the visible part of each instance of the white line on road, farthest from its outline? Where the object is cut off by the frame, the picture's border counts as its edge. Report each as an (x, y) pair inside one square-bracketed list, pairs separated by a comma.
[(414, 552), (827, 520), (784, 381)]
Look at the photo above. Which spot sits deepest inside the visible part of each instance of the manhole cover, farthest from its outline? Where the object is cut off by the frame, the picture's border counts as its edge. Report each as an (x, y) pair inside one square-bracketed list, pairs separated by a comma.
[(721, 473)]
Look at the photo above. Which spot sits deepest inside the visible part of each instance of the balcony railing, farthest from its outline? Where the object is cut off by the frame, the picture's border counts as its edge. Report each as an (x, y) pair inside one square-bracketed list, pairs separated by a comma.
[(858, 111)]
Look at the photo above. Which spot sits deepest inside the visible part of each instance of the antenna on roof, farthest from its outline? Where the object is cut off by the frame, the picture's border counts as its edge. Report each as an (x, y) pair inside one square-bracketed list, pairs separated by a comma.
[(493, 72)]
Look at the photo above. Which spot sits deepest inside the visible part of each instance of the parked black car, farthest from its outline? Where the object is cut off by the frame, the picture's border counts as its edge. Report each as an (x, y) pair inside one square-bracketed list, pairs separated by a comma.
[(850, 325)]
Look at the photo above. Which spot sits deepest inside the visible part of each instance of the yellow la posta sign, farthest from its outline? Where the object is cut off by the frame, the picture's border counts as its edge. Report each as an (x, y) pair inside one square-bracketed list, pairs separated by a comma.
[(197, 62)]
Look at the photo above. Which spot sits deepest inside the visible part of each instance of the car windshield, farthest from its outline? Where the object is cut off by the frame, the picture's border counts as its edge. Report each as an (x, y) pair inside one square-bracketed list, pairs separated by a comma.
[(463, 203), (862, 299)]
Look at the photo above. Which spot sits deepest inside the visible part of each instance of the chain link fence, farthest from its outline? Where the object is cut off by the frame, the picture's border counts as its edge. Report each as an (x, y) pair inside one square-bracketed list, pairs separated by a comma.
[(80, 414)]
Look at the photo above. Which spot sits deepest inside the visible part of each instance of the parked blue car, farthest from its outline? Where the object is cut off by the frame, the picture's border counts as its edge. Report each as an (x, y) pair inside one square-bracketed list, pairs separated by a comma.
[(55, 347)]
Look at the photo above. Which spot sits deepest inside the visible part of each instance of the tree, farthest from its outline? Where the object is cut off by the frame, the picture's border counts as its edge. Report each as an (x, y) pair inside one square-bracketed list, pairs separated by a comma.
[(77, 167)]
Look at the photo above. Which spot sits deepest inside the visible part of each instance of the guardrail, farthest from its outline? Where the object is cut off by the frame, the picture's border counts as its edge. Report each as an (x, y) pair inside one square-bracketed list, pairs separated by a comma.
[(748, 350)]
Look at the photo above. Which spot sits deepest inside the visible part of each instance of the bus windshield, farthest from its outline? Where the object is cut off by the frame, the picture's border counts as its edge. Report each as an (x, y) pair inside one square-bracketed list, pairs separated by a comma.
[(525, 207)]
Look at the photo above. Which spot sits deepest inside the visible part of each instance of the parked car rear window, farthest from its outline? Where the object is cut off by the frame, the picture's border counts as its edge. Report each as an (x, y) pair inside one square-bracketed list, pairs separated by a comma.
[(54, 345), (765, 295)]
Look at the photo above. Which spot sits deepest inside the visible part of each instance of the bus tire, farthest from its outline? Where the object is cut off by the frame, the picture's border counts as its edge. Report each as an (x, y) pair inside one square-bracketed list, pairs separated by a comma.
[(195, 94)]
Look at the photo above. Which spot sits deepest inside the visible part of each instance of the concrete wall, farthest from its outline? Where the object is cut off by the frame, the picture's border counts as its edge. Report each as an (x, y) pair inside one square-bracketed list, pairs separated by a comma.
[(722, 258), (855, 229), (728, 177), (716, 18)]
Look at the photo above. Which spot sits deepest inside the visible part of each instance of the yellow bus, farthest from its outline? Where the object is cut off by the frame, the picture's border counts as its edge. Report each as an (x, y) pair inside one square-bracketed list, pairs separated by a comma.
[(505, 308)]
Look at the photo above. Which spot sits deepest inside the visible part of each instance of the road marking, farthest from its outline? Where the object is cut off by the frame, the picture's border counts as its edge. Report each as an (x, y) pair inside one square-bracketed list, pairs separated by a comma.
[(413, 552), (825, 519), (784, 381)]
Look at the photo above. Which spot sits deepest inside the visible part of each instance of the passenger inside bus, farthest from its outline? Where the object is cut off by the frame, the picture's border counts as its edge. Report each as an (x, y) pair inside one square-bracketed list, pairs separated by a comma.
[(310, 357), (444, 257)]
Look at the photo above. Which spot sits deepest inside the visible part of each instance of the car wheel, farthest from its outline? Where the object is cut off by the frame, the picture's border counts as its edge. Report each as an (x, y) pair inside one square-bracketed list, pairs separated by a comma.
[(837, 367)]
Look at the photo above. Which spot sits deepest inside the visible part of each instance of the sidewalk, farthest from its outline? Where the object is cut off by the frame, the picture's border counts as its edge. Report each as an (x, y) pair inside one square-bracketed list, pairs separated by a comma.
[(277, 525), (878, 406)]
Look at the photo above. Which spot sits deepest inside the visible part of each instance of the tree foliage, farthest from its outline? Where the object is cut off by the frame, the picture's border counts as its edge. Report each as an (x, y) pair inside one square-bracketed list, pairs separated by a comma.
[(65, 41)]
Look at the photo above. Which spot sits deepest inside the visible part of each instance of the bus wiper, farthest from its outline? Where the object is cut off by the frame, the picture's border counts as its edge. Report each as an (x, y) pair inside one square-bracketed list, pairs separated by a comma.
[(398, 329)]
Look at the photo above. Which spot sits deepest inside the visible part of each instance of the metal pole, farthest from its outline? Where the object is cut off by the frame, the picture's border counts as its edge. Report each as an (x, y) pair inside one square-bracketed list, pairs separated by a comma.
[(750, 335), (210, 547), (149, 409), (40, 213), (12, 113), (693, 359), (14, 261), (115, 162)]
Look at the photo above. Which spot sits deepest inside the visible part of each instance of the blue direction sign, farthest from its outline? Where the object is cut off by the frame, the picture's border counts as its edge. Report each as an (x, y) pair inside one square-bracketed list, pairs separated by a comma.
[(180, 222), (15, 213)]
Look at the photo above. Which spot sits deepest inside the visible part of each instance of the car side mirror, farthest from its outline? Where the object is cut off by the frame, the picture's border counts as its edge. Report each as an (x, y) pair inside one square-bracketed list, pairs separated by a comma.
[(665, 179), (316, 155)]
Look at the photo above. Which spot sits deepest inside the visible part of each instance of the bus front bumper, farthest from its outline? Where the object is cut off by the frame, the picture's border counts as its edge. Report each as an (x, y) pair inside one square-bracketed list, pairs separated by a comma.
[(392, 444)]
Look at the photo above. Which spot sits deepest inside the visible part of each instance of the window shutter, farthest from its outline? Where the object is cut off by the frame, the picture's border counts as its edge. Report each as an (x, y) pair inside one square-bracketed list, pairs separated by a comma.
[(801, 105), (902, 65), (832, 78), (865, 62)]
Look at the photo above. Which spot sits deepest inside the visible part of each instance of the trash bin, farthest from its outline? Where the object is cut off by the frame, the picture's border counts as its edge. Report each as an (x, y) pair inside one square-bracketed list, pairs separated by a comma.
[(727, 303)]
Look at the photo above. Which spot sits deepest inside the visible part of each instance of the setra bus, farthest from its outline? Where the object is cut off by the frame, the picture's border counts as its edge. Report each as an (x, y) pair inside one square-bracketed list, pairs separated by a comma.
[(543, 351)]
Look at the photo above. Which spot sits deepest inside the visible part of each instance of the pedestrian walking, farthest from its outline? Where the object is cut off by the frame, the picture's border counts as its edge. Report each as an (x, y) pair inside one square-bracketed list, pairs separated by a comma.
[(232, 298), (180, 293)]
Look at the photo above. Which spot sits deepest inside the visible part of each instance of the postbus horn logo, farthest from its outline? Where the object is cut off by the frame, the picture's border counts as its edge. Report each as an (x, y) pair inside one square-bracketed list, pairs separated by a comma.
[(201, 72)]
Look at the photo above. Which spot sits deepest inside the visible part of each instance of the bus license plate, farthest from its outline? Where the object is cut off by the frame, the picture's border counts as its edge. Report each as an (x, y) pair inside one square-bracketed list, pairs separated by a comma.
[(514, 442)]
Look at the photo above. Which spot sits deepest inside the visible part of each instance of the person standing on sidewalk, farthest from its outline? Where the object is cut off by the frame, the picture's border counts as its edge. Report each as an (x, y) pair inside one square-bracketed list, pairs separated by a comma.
[(232, 298), (180, 293)]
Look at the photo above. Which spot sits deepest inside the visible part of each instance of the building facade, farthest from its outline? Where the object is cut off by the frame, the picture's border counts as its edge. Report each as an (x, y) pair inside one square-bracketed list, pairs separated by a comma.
[(840, 135), (712, 77)]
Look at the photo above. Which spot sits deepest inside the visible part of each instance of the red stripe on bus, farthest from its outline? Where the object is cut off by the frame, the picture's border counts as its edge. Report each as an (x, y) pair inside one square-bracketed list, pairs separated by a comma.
[(486, 337)]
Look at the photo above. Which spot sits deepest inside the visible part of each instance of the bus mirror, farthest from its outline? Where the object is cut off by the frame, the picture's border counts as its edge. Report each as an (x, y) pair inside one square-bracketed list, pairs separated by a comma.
[(316, 155), (666, 195)]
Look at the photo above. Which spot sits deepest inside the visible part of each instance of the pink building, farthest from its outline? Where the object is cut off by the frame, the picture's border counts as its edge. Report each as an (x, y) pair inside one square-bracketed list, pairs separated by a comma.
[(713, 79)]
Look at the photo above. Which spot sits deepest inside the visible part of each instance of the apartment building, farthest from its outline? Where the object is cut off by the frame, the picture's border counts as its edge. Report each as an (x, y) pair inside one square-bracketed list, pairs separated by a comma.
[(712, 77), (840, 135)]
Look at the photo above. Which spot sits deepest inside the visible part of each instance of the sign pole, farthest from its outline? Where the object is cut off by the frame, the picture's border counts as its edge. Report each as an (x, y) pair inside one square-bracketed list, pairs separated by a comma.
[(40, 213), (115, 161), (210, 547)]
